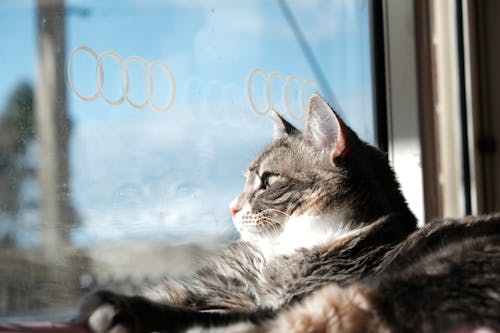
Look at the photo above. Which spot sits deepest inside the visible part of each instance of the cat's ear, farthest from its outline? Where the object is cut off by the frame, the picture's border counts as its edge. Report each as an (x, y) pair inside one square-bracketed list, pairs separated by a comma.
[(324, 128), (282, 128)]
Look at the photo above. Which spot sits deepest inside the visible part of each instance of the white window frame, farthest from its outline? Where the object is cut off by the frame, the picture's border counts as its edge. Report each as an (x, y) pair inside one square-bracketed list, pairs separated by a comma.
[(403, 129)]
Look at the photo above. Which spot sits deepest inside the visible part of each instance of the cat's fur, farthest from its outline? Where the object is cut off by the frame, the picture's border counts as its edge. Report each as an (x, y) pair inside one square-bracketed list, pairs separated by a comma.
[(326, 247)]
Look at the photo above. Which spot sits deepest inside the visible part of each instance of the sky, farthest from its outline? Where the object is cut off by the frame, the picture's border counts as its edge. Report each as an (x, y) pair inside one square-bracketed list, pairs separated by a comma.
[(142, 174)]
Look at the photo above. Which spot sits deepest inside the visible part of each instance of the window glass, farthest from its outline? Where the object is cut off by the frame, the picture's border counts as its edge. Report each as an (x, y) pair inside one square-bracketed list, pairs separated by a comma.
[(125, 127)]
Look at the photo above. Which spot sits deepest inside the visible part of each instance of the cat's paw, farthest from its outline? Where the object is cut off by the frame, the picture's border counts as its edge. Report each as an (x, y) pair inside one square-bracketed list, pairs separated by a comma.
[(107, 312), (101, 320)]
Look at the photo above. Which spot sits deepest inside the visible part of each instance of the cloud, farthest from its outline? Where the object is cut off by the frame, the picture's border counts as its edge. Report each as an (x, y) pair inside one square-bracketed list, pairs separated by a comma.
[(145, 177), (224, 31)]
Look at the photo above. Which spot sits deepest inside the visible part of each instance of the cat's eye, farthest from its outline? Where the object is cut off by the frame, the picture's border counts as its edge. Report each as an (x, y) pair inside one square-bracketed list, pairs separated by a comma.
[(268, 179)]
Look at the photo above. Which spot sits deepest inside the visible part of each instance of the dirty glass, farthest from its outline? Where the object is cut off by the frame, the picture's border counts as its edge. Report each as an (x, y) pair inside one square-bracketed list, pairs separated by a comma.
[(125, 127)]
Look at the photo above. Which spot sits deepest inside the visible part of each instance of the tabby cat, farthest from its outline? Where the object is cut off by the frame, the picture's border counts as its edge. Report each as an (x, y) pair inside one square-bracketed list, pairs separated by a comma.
[(328, 244)]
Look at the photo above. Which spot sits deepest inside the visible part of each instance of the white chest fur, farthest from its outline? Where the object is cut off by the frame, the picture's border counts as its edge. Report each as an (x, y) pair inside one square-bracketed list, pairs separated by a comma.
[(305, 231)]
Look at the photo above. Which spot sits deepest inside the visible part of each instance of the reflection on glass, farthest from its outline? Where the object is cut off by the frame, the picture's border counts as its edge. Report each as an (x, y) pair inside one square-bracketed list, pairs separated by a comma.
[(125, 127)]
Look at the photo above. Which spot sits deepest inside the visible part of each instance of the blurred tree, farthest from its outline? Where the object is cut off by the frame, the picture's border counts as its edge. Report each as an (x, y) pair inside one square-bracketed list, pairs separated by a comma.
[(16, 133)]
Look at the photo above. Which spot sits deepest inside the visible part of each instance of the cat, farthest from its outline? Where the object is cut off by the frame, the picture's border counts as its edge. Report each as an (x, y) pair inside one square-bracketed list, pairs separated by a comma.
[(328, 243)]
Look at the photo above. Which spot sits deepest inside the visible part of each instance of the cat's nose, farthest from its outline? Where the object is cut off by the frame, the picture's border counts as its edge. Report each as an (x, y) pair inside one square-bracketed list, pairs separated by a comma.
[(234, 210), (234, 206)]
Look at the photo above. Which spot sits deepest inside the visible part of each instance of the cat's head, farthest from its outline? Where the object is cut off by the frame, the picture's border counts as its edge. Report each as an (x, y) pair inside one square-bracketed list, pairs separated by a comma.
[(322, 180)]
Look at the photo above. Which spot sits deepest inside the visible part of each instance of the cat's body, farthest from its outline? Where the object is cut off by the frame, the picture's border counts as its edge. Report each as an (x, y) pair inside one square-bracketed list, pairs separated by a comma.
[(445, 276), (247, 278), (325, 236)]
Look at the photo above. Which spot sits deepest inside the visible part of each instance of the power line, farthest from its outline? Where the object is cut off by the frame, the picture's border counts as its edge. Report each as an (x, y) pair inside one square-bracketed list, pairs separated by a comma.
[(308, 53)]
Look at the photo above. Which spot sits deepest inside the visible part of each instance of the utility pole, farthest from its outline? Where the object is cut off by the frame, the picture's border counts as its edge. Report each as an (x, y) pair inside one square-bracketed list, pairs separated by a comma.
[(53, 131)]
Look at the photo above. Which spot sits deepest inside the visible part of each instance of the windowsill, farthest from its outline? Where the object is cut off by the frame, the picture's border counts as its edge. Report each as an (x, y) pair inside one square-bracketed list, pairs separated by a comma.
[(40, 327)]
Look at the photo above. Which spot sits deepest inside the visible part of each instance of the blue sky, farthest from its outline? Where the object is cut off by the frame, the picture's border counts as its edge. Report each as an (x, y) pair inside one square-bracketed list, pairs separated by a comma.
[(142, 173)]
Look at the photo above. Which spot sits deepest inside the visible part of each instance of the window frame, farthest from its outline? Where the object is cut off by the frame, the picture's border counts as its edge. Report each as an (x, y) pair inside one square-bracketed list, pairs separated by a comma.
[(402, 100)]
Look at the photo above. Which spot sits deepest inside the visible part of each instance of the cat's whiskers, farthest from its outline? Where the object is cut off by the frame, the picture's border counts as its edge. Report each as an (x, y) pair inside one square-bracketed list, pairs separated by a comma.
[(276, 211), (271, 223)]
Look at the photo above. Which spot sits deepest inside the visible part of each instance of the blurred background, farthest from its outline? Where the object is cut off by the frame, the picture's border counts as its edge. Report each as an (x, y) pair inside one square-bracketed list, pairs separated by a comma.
[(125, 126)]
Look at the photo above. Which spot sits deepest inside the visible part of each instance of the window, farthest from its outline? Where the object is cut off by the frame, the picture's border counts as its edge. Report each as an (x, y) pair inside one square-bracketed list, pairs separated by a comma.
[(125, 127)]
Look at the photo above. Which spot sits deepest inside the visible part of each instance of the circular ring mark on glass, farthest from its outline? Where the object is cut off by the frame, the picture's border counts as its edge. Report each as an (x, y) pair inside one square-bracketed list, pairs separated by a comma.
[(100, 80), (288, 82), (249, 91), (94, 96), (269, 85), (126, 83), (151, 84)]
